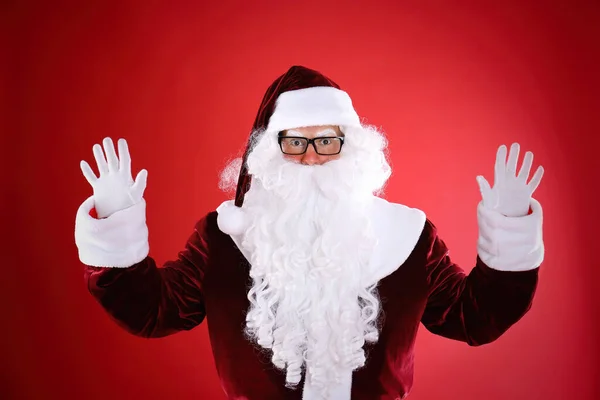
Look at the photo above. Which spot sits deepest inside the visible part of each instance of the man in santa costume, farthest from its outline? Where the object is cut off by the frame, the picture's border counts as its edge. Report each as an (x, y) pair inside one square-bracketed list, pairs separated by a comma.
[(312, 286)]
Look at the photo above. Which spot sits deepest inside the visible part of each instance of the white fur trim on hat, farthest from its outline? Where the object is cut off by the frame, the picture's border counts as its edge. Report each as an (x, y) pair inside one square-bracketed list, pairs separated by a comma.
[(231, 219), (120, 240), (510, 243), (313, 106)]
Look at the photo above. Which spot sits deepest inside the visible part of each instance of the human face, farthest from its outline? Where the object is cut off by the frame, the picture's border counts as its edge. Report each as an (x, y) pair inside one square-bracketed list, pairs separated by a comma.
[(310, 157)]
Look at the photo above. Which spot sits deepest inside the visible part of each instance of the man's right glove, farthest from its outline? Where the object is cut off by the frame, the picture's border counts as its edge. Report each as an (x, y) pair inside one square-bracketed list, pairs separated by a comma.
[(118, 237), (115, 189)]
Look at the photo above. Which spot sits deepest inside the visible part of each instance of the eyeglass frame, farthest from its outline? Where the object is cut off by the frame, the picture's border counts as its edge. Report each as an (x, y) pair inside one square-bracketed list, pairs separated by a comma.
[(309, 142)]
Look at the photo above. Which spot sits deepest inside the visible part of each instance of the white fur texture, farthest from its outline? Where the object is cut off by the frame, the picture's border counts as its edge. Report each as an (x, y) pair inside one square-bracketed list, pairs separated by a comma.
[(120, 240), (231, 220), (510, 243), (397, 229), (313, 107), (310, 242)]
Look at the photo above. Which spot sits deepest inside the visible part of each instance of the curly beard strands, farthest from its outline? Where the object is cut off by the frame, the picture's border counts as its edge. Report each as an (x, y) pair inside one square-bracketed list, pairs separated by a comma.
[(310, 243)]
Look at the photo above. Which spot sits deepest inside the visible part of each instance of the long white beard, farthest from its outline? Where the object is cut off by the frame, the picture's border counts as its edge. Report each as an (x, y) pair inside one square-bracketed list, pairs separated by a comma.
[(310, 242)]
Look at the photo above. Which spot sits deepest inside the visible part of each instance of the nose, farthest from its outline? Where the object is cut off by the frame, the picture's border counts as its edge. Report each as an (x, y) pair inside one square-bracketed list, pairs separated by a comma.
[(310, 157)]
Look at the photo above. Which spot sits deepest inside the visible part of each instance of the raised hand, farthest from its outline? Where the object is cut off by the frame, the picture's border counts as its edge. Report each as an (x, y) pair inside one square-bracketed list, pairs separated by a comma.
[(115, 189), (511, 194)]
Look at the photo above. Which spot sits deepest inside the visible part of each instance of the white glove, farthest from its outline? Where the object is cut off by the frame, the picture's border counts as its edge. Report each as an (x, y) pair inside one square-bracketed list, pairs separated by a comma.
[(115, 190), (511, 194)]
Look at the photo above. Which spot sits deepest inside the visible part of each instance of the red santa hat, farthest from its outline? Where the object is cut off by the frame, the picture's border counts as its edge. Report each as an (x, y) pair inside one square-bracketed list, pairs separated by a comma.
[(301, 97)]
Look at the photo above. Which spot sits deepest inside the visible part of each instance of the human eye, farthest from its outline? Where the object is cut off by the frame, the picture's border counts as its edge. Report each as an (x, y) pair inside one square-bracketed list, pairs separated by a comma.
[(325, 142), (295, 142)]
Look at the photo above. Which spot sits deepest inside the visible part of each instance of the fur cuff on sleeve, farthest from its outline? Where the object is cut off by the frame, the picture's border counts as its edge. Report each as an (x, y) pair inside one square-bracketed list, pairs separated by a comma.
[(121, 240), (510, 243)]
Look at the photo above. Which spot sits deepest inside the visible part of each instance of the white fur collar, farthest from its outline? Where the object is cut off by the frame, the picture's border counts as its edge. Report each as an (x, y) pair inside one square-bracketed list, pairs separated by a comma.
[(397, 228)]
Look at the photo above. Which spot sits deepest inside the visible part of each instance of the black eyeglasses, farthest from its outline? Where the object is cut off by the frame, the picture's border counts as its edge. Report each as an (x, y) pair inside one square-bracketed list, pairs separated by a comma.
[(324, 145)]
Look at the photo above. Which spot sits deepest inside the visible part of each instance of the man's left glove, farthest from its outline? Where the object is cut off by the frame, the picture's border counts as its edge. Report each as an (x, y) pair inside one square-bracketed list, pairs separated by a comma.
[(510, 238), (511, 194)]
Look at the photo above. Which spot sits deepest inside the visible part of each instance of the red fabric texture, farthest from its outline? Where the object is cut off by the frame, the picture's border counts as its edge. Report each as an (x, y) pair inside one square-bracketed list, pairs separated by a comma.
[(210, 278), (297, 77)]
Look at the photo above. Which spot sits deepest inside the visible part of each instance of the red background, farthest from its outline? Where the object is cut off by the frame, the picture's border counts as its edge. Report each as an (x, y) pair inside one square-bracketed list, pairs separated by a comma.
[(448, 83)]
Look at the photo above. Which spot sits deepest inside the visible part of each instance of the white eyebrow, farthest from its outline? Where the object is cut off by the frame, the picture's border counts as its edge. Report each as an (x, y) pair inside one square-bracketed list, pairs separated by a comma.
[(325, 132), (291, 132)]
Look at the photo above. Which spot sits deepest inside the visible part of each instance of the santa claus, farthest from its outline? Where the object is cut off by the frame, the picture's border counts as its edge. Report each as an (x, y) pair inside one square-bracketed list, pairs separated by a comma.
[(312, 286)]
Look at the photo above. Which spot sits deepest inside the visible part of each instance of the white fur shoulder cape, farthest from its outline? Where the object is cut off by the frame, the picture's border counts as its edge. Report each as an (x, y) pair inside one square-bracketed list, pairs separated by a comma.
[(397, 229)]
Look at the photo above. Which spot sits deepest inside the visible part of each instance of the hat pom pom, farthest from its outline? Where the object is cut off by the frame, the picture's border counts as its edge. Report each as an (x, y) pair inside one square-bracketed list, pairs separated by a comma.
[(231, 219)]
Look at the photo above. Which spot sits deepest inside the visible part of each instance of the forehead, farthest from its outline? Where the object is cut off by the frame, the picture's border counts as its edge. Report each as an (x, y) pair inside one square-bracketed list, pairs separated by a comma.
[(312, 131)]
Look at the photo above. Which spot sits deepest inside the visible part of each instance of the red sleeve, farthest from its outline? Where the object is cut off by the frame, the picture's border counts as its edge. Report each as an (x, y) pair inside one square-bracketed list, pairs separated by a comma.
[(152, 301), (478, 307)]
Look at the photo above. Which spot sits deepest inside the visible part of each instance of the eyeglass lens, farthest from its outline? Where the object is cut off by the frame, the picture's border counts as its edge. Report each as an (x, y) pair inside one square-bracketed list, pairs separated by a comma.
[(323, 146)]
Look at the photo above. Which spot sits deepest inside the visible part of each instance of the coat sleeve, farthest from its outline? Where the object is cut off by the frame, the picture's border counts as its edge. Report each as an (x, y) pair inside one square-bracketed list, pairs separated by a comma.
[(478, 307), (144, 298)]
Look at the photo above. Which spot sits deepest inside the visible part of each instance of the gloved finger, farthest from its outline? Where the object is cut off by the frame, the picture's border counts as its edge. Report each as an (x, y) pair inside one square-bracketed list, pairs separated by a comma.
[(140, 183), (100, 161), (526, 167), (484, 189), (537, 177), (124, 157), (513, 157), (111, 155), (500, 167), (88, 173)]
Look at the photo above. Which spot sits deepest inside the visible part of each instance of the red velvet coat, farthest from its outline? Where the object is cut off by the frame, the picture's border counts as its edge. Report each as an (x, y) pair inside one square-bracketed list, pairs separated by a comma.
[(209, 279)]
